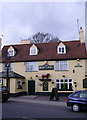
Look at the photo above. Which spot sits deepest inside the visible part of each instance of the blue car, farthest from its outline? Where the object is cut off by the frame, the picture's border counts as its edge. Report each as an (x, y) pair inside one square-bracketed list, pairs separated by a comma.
[(77, 100)]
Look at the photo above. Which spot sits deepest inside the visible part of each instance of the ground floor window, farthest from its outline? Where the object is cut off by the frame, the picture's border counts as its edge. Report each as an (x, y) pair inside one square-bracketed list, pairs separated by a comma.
[(64, 84), (19, 84), (45, 86)]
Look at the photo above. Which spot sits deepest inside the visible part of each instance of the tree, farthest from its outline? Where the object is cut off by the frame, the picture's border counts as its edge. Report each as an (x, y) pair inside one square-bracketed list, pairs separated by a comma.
[(43, 38)]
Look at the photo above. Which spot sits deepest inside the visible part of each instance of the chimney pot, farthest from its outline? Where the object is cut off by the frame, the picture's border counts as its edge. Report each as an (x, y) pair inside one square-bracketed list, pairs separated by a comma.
[(81, 35)]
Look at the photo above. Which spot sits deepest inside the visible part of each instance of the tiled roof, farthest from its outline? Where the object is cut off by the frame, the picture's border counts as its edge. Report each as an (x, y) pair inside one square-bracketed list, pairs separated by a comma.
[(47, 51), (11, 75)]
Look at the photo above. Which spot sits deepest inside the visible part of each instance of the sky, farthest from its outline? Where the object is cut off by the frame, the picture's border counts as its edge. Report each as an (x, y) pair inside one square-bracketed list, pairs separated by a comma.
[(20, 20)]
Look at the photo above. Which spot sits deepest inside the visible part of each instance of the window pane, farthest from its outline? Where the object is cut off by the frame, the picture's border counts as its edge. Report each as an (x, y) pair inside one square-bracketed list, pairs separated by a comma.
[(61, 80), (76, 94), (70, 85), (62, 49), (57, 80), (61, 85), (10, 52), (33, 51), (57, 86), (66, 80), (61, 65), (59, 49), (31, 66), (83, 94), (70, 80)]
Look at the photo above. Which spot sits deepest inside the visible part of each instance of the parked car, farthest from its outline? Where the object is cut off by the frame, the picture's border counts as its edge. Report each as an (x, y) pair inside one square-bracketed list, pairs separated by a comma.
[(4, 94), (77, 100)]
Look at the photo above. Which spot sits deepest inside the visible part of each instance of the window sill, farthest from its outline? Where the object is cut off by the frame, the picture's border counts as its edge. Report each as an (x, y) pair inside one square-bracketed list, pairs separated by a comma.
[(64, 89), (31, 71), (61, 70)]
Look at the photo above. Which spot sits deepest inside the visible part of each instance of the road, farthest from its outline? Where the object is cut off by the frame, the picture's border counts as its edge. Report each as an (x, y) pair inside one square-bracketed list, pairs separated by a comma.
[(16, 109)]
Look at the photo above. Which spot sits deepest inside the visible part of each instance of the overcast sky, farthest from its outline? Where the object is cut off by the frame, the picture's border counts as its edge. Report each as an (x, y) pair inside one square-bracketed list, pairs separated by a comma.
[(23, 19)]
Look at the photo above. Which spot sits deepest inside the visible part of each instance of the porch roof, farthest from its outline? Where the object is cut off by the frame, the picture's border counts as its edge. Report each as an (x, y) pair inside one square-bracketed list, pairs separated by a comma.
[(11, 75)]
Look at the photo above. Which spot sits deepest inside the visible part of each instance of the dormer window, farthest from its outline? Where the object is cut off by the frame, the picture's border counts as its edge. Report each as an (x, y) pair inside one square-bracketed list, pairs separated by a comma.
[(61, 49), (33, 50), (11, 51)]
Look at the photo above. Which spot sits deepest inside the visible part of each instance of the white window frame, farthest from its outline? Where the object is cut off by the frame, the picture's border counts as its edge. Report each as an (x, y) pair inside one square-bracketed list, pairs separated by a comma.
[(20, 83), (60, 50), (10, 52), (62, 65), (31, 66), (64, 82), (33, 51)]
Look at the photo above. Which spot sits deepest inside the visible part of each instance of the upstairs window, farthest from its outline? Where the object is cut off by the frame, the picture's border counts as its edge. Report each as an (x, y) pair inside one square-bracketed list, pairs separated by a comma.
[(61, 65), (31, 66), (61, 49), (33, 50), (5, 67), (10, 52)]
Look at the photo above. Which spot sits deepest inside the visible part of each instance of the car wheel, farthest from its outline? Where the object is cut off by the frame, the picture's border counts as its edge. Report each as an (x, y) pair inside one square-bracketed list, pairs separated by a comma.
[(75, 108)]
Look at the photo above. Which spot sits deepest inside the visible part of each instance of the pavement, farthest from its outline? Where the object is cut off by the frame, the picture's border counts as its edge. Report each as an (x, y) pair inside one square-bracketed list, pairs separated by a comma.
[(40, 100)]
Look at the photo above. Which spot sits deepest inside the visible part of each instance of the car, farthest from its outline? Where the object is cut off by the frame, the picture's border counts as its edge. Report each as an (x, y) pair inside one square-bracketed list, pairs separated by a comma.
[(77, 100), (4, 92)]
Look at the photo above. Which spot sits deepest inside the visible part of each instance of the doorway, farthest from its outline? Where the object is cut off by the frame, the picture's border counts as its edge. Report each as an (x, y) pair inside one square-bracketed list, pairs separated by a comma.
[(31, 87)]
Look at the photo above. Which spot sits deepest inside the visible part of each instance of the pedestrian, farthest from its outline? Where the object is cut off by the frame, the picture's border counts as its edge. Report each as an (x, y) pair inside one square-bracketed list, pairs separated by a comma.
[(54, 94)]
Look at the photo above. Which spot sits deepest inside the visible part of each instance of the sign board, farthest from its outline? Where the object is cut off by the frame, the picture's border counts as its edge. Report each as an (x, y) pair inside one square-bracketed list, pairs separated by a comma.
[(46, 67), (85, 83)]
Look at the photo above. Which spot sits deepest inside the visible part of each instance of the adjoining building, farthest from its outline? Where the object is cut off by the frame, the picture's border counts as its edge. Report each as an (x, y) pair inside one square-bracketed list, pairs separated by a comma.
[(37, 68)]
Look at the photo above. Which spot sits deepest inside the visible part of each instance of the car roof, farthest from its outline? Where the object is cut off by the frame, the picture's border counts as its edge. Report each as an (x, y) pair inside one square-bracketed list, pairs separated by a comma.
[(80, 90)]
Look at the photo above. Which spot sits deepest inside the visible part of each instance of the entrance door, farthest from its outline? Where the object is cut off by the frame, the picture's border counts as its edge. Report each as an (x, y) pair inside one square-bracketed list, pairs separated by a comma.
[(31, 87)]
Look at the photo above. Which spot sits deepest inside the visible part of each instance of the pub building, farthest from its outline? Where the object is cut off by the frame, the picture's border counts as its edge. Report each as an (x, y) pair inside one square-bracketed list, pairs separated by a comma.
[(37, 68)]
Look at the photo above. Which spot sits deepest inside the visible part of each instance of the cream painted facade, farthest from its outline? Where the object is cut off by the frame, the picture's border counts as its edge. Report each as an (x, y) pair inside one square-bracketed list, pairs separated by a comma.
[(77, 74), (32, 81)]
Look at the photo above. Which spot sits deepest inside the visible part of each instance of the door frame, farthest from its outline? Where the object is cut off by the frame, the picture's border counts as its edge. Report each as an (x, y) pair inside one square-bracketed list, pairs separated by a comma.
[(34, 87)]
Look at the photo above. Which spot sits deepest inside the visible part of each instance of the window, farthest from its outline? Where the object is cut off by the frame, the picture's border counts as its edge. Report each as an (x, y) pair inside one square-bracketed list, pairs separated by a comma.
[(76, 94), (19, 84), (61, 65), (1, 81), (11, 52), (33, 51), (45, 86), (31, 66), (64, 84), (83, 94), (61, 50), (10, 67)]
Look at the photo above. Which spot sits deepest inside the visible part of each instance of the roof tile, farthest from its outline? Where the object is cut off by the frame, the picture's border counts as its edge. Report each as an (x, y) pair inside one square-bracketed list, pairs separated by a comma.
[(47, 51)]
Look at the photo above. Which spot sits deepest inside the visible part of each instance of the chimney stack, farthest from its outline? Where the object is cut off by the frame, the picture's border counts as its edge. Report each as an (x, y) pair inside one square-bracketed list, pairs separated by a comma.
[(26, 41), (81, 35)]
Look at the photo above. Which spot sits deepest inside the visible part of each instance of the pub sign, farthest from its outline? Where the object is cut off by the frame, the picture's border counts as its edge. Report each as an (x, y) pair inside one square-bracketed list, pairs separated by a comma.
[(46, 67)]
